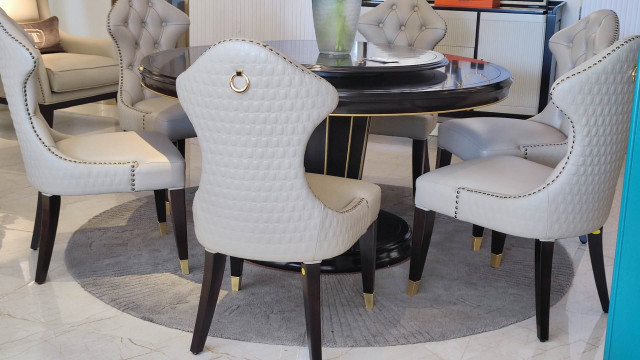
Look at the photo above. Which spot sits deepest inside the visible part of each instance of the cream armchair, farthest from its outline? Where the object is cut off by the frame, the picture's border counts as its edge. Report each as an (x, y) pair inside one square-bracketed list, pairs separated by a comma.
[(60, 165), (408, 23), (87, 72), (516, 196)]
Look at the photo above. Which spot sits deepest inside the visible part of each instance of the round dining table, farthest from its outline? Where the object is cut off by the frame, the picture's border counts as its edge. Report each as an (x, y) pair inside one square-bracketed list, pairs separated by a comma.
[(374, 80)]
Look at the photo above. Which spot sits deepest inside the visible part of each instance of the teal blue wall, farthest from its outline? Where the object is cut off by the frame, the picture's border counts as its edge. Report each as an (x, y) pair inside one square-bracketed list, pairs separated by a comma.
[(623, 331)]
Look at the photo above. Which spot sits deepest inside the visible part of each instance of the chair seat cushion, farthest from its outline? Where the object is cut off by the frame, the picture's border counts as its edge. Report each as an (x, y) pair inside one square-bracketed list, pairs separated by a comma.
[(416, 127), (165, 115), (160, 165), (508, 175), (490, 136), (337, 193), (70, 72)]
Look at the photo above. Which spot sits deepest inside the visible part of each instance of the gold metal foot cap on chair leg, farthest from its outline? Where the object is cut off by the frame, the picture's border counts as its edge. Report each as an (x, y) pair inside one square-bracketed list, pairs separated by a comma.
[(163, 228), (236, 283), (413, 287), (496, 260), (184, 266), (368, 301), (167, 206), (476, 243)]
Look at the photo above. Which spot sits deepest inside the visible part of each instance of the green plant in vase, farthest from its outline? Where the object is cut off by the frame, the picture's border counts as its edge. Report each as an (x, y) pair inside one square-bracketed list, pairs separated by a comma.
[(335, 23)]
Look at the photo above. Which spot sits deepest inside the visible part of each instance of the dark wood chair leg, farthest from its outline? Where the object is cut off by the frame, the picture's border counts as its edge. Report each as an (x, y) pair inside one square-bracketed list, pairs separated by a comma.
[(181, 145), (161, 210), (597, 263), (368, 243), (179, 216), (236, 273), (420, 163), (211, 281), (476, 237), (312, 308), (443, 158), (35, 238), (422, 231), (497, 248), (544, 257), (47, 112), (48, 228)]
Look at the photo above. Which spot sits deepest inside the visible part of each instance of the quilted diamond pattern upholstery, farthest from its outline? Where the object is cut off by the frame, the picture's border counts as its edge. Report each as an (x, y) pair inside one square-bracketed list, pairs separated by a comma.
[(570, 47), (140, 28), (49, 169), (254, 201), (596, 99)]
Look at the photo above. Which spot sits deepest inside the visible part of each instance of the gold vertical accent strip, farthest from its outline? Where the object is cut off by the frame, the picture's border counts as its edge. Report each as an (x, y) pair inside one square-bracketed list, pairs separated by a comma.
[(326, 146), (346, 166), (364, 147), (187, 34)]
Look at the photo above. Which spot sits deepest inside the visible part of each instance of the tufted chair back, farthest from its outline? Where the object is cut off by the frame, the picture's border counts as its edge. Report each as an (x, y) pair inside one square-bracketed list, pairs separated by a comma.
[(140, 28), (596, 99), (403, 22), (254, 201), (574, 45), (26, 10), (48, 169)]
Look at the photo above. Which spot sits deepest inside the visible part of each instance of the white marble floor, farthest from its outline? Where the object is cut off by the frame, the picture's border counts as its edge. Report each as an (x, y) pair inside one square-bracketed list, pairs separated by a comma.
[(59, 320)]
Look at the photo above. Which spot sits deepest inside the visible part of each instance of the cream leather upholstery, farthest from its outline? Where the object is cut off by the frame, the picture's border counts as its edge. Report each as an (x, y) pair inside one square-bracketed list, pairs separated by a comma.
[(255, 201), (408, 23), (58, 164), (88, 68), (140, 28), (543, 137), (520, 197)]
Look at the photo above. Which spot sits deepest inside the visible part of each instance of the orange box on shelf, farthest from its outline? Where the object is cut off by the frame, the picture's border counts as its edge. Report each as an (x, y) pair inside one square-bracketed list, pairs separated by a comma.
[(469, 3)]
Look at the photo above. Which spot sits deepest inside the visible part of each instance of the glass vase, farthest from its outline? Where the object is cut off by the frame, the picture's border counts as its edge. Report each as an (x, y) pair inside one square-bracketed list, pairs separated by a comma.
[(336, 24)]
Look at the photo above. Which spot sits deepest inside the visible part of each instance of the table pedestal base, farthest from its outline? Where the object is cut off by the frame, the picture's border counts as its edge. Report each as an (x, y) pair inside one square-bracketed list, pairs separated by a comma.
[(394, 246)]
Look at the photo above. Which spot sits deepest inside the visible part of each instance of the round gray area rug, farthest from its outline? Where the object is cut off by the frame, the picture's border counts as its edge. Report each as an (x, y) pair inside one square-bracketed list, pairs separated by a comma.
[(120, 257)]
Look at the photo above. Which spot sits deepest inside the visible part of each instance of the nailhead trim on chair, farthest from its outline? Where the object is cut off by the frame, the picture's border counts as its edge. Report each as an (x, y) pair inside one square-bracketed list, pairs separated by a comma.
[(525, 148), (134, 164), (556, 84)]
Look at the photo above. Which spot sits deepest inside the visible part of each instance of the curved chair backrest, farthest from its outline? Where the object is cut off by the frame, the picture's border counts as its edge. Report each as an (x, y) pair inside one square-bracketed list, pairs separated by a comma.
[(26, 10), (49, 170), (140, 28), (596, 98), (574, 45), (403, 22), (254, 200)]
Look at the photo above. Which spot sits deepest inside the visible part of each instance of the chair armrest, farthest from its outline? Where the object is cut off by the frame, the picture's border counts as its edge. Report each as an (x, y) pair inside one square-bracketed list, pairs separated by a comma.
[(89, 46)]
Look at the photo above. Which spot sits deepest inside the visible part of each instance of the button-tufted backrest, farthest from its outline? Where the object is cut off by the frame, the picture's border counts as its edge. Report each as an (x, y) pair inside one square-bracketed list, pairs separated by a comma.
[(574, 45), (596, 98), (403, 22), (579, 42), (140, 28), (253, 189)]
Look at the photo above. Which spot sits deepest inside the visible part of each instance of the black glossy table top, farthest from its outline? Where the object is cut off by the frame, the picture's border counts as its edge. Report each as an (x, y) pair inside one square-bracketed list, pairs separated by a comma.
[(369, 87)]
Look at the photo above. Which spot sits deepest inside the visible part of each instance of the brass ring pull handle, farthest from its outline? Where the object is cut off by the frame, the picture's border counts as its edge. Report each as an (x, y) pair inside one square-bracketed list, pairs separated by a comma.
[(246, 85)]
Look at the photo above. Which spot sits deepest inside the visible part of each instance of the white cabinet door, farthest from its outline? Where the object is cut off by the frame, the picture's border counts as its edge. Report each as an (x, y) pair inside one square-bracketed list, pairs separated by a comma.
[(516, 42), (461, 33)]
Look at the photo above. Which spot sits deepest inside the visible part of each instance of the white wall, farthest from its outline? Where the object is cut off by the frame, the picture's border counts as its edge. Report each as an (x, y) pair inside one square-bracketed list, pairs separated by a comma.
[(571, 12), (628, 11), (82, 17)]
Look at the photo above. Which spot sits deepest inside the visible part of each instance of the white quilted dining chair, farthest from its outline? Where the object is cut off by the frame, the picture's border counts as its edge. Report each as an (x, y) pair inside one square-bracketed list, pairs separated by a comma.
[(254, 110), (58, 164), (408, 23), (543, 138), (520, 197)]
